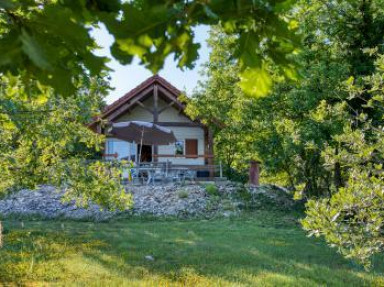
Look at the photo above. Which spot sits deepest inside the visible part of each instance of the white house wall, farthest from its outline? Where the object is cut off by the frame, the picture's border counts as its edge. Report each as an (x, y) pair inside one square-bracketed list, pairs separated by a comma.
[(182, 133)]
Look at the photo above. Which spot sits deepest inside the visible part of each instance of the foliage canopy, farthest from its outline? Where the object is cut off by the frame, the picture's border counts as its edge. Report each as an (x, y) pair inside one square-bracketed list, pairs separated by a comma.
[(51, 39)]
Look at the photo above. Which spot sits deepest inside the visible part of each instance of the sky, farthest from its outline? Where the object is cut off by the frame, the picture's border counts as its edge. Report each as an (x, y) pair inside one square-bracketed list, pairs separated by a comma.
[(125, 78)]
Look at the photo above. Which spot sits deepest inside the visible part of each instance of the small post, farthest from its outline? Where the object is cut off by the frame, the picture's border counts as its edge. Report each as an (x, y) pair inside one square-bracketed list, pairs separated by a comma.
[(254, 173), (221, 169)]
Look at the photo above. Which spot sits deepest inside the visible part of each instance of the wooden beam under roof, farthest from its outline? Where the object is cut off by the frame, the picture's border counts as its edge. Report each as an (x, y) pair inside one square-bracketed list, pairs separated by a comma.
[(171, 97), (167, 107), (179, 124), (118, 112), (145, 107)]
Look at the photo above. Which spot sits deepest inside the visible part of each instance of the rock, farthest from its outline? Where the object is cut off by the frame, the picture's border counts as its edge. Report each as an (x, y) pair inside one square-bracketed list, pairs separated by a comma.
[(227, 214), (149, 258), (148, 200)]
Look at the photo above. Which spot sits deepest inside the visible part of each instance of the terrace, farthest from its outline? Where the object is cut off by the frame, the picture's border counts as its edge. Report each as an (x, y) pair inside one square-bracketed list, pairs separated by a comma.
[(165, 172)]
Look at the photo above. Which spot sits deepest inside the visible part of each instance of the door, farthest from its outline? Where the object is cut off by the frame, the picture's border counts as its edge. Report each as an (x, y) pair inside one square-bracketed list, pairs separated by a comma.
[(146, 153), (191, 148)]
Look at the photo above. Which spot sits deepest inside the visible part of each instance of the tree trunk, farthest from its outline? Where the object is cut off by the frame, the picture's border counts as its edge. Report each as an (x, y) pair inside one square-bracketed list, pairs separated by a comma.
[(290, 177), (338, 181), (1, 234)]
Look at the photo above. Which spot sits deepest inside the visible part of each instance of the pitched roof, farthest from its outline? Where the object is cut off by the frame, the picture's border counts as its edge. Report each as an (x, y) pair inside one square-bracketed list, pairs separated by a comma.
[(132, 93)]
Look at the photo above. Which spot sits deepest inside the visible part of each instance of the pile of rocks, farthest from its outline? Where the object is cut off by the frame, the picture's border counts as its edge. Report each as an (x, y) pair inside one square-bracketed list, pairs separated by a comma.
[(47, 202), (170, 200), (276, 196)]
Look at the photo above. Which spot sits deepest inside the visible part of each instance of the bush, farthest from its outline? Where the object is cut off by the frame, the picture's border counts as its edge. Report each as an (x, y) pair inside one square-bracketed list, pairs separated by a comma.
[(236, 175), (227, 205), (212, 189), (182, 193)]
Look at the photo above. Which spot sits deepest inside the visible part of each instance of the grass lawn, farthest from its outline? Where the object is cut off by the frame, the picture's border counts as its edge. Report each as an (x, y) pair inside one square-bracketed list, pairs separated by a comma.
[(260, 249)]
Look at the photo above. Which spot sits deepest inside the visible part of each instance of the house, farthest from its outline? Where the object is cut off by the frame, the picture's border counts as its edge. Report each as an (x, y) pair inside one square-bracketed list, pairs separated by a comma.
[(157, 101)]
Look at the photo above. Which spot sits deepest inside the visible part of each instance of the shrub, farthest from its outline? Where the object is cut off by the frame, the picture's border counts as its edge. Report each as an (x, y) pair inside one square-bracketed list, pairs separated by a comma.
[(182, 193), (236, 175), (212, 189), (227, 205)]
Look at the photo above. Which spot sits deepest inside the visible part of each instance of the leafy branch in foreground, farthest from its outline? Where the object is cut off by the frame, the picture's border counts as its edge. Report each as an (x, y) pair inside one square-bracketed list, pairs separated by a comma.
[(51, 39)]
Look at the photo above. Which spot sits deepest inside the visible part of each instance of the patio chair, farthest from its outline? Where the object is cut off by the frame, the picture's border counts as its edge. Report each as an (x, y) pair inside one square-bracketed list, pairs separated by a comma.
[(136, 179), (178, 175), (159, 174), (190, 175)]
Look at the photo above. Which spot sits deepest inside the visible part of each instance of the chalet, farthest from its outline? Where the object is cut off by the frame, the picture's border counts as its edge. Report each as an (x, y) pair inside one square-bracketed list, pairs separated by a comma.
[(157, 101)]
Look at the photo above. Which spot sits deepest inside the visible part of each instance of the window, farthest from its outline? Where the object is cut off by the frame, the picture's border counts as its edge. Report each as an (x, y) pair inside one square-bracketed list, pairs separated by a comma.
[(124, 150), (179, 148), (191, 148)]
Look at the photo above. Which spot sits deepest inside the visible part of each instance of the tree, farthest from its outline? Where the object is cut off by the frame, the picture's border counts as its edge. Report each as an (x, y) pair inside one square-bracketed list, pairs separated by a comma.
[(352, 219), (41, 136), (299, 121), (322, 132)]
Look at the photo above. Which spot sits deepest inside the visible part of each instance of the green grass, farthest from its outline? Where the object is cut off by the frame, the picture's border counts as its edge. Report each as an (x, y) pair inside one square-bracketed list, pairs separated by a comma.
[(260, 249)]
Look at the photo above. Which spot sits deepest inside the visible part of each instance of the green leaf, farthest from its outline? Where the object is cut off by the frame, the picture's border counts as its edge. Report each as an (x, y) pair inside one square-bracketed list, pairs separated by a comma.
[(7, 4), (255, 82), (41, 99), (350, 81), (210, 13), (33, 50), (247, 50), (10, 50), (120, 55)]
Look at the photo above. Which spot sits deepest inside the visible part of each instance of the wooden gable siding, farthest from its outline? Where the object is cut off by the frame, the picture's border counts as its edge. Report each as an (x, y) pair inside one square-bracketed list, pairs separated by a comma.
[(168, 113), (137, 113), (171, 114)]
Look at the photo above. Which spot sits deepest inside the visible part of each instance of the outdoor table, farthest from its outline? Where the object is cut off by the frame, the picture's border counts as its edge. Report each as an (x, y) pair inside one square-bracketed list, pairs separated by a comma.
[(178, 171), (150, 171)]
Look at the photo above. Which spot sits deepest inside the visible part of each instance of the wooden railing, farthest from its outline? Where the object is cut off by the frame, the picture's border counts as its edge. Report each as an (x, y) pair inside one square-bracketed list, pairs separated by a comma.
[(115, 155), (184, 155), (212, 169)]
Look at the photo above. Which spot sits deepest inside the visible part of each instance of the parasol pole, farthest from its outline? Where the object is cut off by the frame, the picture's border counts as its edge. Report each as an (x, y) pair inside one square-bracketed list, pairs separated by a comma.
[(141, 145)]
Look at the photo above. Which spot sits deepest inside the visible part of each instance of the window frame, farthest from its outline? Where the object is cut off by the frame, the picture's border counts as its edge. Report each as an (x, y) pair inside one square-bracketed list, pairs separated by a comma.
[(183, 146)]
